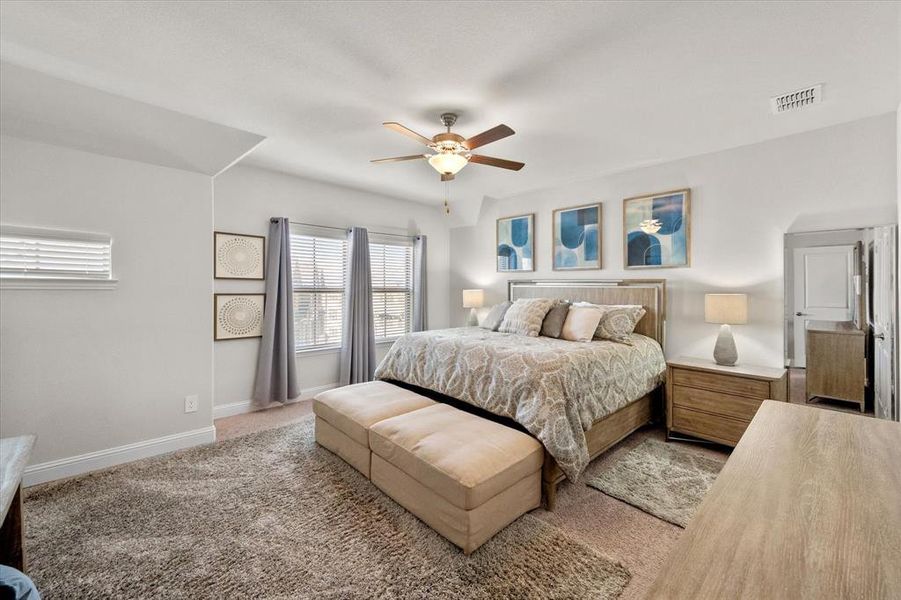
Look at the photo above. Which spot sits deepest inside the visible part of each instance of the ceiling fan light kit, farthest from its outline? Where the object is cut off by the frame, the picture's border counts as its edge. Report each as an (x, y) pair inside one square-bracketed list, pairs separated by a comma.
[(453, 151), (448, 163)]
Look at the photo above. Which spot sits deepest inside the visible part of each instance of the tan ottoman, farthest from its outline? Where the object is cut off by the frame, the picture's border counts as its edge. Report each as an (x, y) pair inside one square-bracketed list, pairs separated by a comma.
[(465, 476), (344, 415)]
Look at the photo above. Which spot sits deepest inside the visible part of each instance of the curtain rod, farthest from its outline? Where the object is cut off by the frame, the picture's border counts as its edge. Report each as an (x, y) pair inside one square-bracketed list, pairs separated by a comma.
[(274, 220)]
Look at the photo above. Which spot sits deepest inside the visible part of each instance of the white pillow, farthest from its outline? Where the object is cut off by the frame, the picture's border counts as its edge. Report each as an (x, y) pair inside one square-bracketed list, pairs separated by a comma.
[(581, 323)]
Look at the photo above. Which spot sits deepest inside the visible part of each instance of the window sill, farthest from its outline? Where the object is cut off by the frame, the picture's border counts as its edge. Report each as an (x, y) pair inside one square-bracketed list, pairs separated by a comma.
[(314, 351), (55, 283), (337, 349)]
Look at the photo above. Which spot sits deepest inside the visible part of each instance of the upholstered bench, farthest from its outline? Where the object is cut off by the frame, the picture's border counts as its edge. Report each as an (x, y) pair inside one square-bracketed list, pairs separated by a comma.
[(344, 415), (465, 476)]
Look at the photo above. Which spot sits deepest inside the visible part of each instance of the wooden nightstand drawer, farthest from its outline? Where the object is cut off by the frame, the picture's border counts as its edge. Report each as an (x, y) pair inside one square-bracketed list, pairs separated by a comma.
[(732, 384), (739, 407), (724, 430)]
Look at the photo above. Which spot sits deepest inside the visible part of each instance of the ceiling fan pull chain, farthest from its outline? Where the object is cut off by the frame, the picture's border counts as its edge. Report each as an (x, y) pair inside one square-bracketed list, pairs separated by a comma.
[(446, 198)]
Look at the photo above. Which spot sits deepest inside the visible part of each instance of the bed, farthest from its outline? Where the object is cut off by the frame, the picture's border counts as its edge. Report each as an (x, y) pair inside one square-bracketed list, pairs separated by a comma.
[(578, 399)]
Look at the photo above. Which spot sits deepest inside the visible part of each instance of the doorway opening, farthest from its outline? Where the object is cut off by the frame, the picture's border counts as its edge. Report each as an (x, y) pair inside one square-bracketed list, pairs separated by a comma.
[(844, 276)]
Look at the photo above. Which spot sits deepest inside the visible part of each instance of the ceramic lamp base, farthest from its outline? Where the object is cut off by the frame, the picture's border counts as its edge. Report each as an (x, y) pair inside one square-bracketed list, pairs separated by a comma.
[(724, 353), (473, 318)]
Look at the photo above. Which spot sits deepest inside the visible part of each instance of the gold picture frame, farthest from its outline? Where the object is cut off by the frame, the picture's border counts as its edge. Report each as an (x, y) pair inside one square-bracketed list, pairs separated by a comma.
[(657, 235), (506, 252), (584, 246)]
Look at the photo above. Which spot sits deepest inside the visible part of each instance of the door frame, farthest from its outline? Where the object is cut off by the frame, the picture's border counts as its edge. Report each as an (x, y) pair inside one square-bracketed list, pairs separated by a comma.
[(891, 329)]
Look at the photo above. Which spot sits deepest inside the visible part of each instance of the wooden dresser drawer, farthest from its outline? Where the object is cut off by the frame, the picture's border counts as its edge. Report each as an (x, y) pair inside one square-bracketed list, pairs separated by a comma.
[(731, 384), (725, 430), (740, 407)]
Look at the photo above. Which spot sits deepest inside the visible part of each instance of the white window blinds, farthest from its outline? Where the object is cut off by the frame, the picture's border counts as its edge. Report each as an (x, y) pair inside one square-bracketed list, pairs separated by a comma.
[(391, 259), (318, 267), (35, 253), (318, 263)]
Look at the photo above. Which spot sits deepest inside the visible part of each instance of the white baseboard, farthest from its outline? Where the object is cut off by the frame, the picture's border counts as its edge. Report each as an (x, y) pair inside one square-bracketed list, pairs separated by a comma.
[(240, 408), (101, 459)]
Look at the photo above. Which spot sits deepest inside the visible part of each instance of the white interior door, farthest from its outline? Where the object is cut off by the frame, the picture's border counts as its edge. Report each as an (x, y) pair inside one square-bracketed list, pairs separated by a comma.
[(884, 315), (824, 290)]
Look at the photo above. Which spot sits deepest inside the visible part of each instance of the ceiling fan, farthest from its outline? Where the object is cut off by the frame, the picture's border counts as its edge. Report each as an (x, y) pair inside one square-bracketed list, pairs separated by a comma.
[(453, 151)]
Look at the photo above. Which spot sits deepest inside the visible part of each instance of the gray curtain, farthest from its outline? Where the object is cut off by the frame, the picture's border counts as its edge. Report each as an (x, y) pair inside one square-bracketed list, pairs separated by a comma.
[(276, 370), (420, 296), (358, 343)]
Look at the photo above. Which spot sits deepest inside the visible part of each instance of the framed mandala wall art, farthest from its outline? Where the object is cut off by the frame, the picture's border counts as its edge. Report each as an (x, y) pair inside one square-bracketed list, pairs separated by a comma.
[(237, 256), (238, 316)]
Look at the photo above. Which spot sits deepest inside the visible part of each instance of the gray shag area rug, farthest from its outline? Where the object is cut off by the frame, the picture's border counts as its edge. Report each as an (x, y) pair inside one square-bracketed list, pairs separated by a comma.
[(273, 515), (667, 480)]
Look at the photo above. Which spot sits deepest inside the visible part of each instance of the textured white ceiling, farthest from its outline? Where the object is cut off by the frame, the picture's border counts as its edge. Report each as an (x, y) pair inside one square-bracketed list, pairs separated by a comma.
[(590, 88), (55, 111)]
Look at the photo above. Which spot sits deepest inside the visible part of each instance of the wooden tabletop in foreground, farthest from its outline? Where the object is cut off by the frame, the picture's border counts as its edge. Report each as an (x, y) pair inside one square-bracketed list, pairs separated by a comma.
[(807, 506)]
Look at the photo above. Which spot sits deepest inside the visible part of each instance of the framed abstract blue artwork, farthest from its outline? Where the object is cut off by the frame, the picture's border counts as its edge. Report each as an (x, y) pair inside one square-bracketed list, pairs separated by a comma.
[(657, 230), (577, 238), (516, 243)]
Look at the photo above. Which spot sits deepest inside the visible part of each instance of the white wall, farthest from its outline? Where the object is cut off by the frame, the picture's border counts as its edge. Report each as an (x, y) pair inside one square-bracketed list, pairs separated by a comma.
[(91, 370), (743, 201), (245, 199)]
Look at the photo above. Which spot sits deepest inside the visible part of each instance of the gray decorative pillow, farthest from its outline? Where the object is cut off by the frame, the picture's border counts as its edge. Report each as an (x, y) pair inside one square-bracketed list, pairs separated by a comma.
[(553, 321), (495, 316), (619, 322), (526, 315)]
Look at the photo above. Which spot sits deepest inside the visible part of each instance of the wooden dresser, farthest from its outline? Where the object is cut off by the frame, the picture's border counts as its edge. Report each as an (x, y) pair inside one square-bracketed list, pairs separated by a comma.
[(836, 361), (716, 403), (807, 507)]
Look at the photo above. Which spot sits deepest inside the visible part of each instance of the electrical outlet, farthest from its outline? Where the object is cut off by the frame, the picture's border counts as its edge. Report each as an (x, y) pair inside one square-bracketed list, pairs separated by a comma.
[(191, 403)]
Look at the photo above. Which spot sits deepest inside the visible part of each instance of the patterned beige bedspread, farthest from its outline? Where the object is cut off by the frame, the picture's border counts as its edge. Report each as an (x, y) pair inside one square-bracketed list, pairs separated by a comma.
[(554, 388)]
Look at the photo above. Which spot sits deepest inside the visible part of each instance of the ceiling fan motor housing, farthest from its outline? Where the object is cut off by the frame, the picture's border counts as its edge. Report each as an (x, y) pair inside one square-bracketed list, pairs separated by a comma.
[(448, 119)]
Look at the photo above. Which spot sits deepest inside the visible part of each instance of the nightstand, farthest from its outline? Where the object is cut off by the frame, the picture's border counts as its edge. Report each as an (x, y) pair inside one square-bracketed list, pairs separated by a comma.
[(714, 402)]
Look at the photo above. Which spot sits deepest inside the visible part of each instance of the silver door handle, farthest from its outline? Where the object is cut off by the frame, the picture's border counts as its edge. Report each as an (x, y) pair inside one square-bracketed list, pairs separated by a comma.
[(800, 314), (879, 336)]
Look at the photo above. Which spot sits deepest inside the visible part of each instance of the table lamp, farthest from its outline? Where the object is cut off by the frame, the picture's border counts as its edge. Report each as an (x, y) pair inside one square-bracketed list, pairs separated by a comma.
[(473, 299), (727, 309)]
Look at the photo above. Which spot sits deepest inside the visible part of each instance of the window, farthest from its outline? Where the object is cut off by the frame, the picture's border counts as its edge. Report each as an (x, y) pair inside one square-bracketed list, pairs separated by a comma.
[(36, 257), (318, 264), (392, 285)]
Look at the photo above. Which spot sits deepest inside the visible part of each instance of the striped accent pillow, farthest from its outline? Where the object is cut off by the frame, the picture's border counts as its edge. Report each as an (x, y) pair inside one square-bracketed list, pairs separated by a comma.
[(526, 316)]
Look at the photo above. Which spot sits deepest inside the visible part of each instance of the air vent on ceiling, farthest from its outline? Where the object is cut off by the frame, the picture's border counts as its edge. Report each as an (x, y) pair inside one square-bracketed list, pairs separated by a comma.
[(797, 99)]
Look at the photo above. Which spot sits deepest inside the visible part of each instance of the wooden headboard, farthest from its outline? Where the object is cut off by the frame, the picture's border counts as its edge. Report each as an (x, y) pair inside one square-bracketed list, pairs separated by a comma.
[(650, 293)]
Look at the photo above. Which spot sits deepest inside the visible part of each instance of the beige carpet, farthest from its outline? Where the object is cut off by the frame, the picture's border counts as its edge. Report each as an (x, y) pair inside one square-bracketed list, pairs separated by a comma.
[(272, 515), (638, 540), (667, 480)]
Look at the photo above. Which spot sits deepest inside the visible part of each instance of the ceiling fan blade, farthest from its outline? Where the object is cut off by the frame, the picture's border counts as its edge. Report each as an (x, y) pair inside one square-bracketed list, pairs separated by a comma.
[(496, 162), (486, 137), (398, 158), (447, 177), (407, 132)]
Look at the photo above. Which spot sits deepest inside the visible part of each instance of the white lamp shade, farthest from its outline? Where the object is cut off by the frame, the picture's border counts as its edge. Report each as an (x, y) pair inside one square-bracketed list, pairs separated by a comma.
[(447, 163), (473, 298), (731, 309)]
